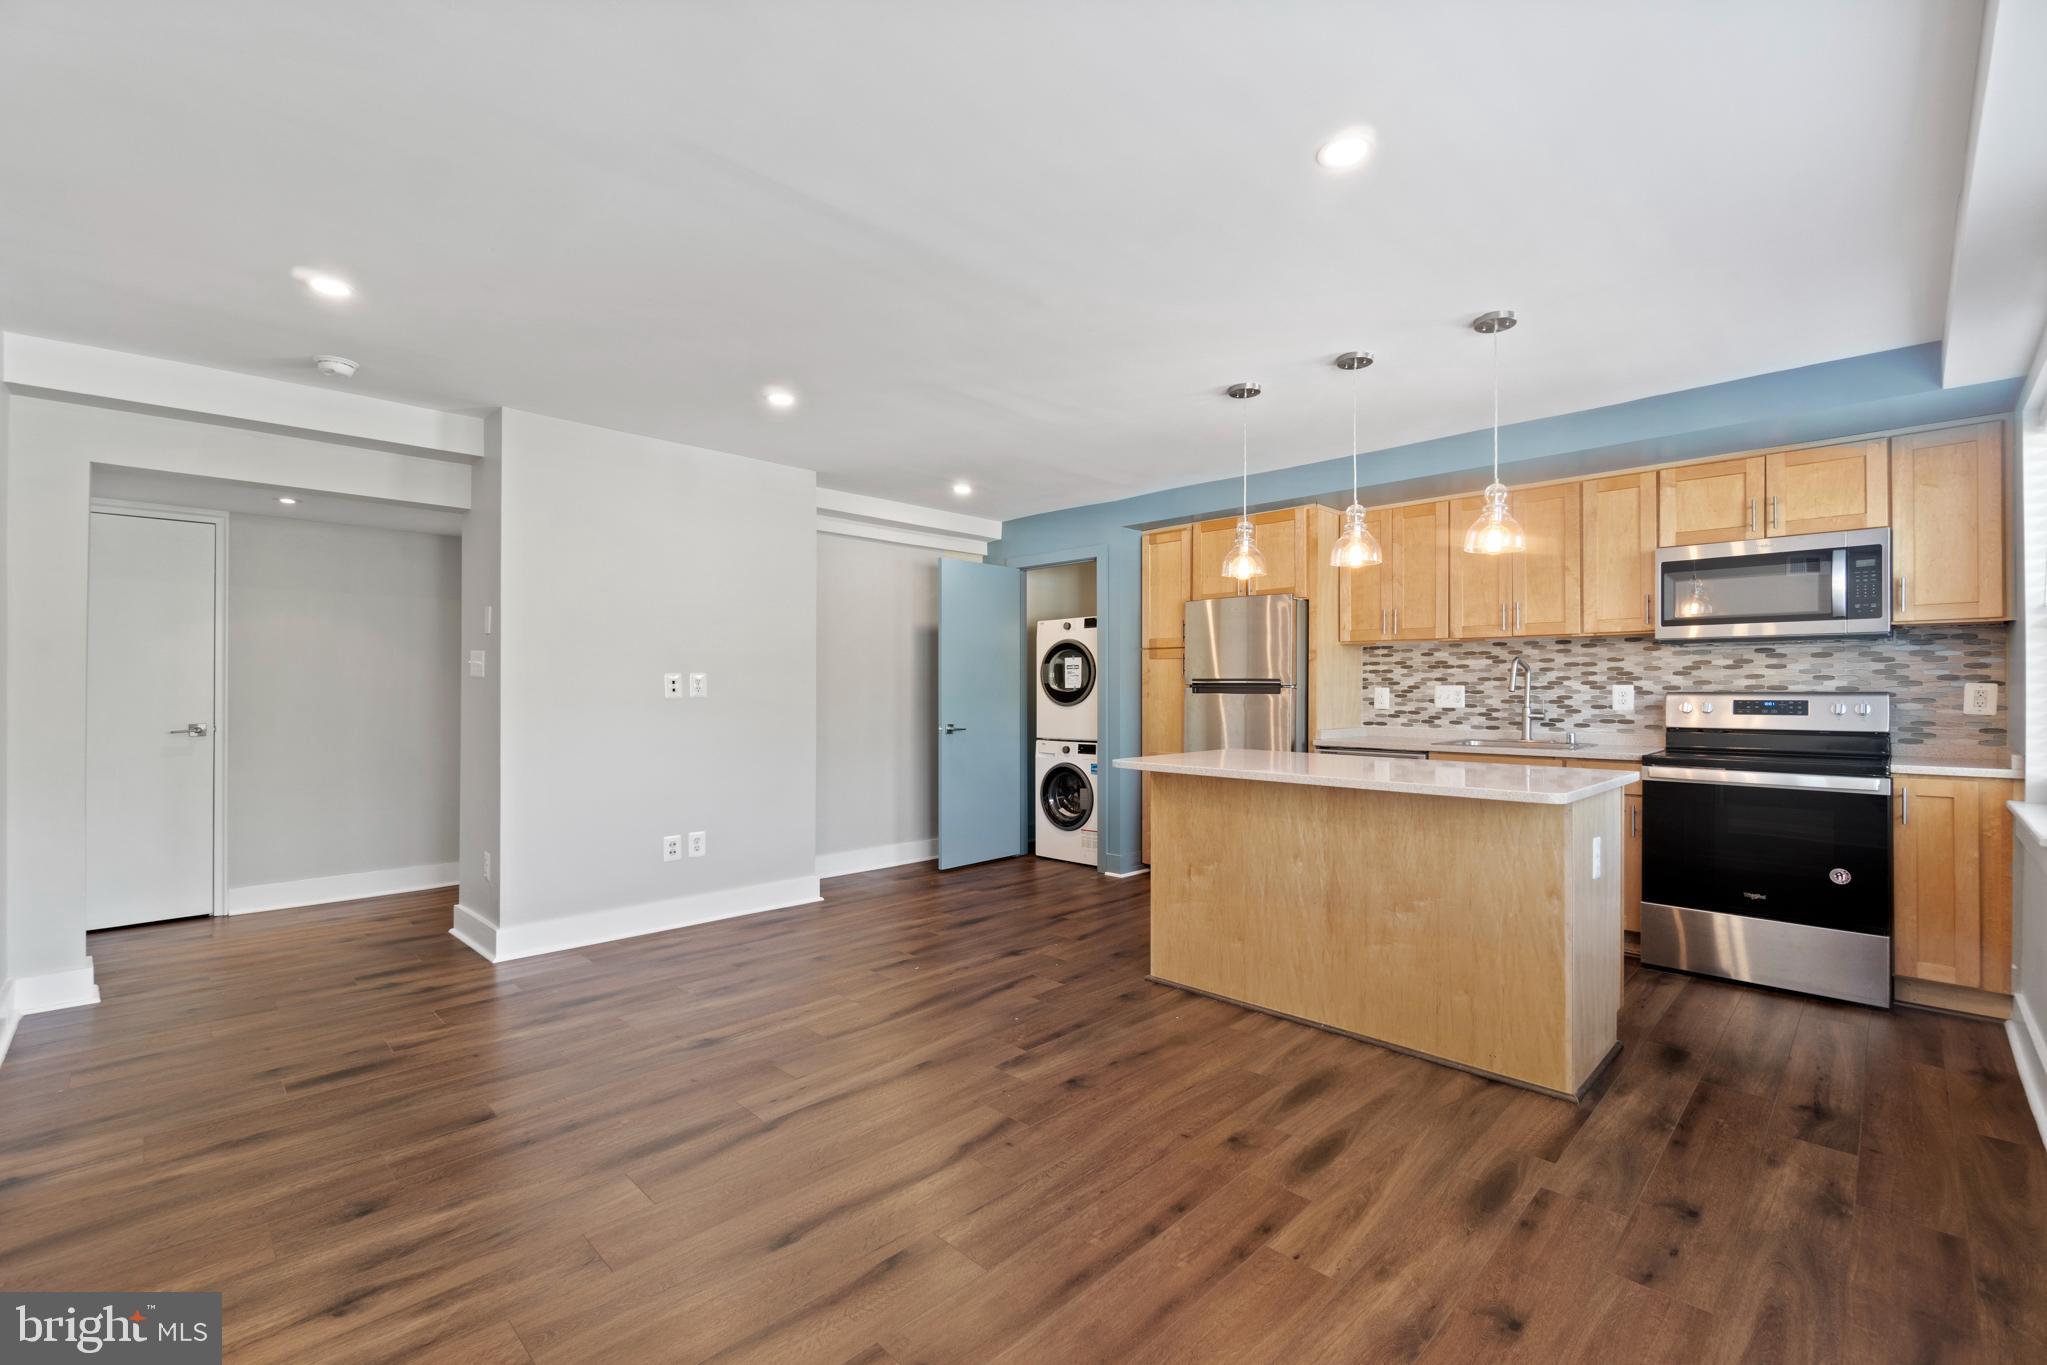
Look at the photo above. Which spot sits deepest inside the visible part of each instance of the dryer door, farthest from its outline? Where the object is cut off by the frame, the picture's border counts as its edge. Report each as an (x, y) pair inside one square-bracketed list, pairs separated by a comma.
[(1066, 797), (1067, 673)]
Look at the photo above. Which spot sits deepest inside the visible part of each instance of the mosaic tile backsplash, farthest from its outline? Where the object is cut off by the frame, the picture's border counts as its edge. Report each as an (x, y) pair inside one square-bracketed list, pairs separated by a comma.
[(1924, 667)]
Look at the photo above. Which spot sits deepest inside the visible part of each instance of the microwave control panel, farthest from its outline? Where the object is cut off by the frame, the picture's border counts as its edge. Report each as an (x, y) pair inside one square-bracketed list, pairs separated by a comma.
[(1865, 583)]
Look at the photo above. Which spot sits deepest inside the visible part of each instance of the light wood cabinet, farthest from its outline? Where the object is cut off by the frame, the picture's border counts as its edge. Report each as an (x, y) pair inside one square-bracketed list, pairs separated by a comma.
[(1282, 539), (1951, 857), (1826, 488), (1531, 593), (1168, 562), (1417, 547), (1700, 504), (1947, 525), (1163, 701), (1363, 603), (1618, 562)]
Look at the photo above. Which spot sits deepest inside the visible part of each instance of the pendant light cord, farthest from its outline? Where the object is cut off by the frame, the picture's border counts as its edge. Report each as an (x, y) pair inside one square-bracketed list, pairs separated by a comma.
[(1247, 467), (1496, 406), (1354, 438)]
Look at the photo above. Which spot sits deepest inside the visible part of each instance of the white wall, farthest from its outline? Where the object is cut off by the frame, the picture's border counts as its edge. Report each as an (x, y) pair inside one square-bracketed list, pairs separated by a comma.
[(877, 704), (343, 708), (624, 558), (6, 995), (481, 538)]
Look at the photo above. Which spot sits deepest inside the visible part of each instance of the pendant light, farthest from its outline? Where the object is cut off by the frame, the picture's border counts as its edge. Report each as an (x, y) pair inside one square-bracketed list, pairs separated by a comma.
[(1696, 600), (1495, 532), (1244, 562), (1357, 547)]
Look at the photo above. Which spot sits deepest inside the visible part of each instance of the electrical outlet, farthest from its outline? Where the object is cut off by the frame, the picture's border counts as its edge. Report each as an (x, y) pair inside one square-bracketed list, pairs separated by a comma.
[(671, 847), (1450, 695), (486, 864), (700, 684), (1382, 699), (1596, 868), (1624, 698), (696, 843), (671, 685), (1979, 699)]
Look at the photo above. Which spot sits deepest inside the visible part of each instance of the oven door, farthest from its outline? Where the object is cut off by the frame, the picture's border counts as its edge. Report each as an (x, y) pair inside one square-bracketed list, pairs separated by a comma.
[(1836, 583), (1814, 853)]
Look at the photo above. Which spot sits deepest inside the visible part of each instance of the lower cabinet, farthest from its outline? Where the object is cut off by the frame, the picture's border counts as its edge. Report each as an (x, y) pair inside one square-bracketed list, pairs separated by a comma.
[(1163, 699), (1951, 869)]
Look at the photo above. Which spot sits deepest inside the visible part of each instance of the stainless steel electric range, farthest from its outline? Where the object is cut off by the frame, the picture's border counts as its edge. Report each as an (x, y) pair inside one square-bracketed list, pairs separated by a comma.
[(1766, 841)]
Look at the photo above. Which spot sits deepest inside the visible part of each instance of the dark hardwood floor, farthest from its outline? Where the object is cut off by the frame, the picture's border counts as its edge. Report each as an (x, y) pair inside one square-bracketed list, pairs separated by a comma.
[(945, 1118)]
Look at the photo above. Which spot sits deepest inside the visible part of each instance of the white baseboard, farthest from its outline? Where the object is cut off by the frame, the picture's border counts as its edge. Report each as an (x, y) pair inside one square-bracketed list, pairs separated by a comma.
[(477, 930), (2029, 1049), (9, 1017), (349, 886), (40, 994), (1134, 872), (507, 942), (879, 856)]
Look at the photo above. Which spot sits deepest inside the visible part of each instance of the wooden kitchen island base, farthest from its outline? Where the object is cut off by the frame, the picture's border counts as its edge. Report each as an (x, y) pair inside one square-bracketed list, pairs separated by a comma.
[(1466, 926)]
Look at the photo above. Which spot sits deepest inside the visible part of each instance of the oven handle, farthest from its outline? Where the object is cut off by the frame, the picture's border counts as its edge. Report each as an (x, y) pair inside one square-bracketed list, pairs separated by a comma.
[(1726, 777)]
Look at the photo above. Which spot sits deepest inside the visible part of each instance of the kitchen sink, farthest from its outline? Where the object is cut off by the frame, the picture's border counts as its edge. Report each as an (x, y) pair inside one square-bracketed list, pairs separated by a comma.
[(1565, 745)]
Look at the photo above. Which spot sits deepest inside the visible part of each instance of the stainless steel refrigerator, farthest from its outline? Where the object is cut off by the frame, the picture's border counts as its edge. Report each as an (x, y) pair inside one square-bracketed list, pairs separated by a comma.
[(1247, 673)]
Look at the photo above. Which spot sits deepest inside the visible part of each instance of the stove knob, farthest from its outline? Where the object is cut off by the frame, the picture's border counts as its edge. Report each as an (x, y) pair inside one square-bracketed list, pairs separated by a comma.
[(1707, 707), (1862, 708), (1685, 707), (1840, 708)]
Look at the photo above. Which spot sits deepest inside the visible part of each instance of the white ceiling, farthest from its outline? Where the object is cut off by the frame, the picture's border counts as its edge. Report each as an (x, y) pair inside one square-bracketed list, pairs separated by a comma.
[(1023, 244)]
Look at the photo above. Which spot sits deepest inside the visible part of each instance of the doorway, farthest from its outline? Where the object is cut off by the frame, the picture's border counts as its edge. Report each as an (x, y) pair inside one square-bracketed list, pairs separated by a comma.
[(155, 661)]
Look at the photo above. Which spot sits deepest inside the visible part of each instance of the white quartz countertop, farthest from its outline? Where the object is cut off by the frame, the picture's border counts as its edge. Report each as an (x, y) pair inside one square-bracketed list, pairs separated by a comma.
[(1535, 785), (1604, 749), (1990, 763)]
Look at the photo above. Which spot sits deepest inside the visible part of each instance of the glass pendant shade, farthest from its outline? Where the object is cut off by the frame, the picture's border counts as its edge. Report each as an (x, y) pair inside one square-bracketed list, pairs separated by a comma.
[(1244, 562), (1357, 547), (1495, 532)]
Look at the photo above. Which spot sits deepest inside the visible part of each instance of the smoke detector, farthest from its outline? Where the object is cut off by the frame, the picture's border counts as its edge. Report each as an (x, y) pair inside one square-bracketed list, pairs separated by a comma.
[(334, 366)]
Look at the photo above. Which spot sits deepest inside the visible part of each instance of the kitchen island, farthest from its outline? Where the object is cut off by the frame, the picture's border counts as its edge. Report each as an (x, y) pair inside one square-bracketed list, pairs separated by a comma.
[(1465, 912)]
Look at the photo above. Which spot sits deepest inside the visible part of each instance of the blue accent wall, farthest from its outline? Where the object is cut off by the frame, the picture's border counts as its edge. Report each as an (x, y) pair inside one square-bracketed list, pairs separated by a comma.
[(1875, 392)]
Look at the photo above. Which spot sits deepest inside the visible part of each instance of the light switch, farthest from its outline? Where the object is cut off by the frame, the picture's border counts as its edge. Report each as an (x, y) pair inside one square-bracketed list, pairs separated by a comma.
[(1979, 699), (476, 664), (1450, 695), (700, 684)]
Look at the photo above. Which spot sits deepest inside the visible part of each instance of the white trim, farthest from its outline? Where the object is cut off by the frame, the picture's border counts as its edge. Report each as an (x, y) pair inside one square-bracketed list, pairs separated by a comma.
[(2029, 1050), (512, 941), (846, 863), (896, 535), (860, 507), (54, 990), (9, 1019), (477, 930), (347, 886), (219, 521), (38, 363), (1134, 872)]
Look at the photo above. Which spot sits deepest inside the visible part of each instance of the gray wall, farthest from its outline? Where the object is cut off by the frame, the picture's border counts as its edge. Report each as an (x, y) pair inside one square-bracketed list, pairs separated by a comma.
[(480, 836), (342, 685), (3, 691), (624, 558), (877, 696)]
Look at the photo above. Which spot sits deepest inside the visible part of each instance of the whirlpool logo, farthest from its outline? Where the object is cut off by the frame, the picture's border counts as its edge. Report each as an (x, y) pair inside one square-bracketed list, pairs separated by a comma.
[(171, 1329)]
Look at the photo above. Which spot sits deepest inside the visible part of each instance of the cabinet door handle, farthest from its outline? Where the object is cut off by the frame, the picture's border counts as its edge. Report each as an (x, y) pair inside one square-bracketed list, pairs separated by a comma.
[(1396, 620), (1648, 616), (1751, 516), (1904, 805), (1503, 617), (1382, 620), (1776, 513), (1635, 821), (1903, 597), (1517, 616)]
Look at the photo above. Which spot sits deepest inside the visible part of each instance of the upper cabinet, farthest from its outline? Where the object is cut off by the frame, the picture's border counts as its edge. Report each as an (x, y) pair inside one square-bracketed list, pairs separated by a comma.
[(1531, 593), (1947, 524), (1168, 561), (1618, 564), (1282, 539), (1702, 504), (1417, 547), (1363, 606), (1827, 488)]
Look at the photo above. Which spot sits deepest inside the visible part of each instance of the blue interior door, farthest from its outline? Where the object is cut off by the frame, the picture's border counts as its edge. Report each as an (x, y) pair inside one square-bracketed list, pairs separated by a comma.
[(980, 712)]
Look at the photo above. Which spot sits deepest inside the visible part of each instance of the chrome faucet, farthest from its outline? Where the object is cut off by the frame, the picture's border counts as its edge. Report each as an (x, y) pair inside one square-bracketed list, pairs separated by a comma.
[(1522, 678)]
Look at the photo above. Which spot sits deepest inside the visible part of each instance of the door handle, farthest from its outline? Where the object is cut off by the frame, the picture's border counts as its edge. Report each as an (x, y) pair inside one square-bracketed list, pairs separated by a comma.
[(950, 729), (1635, 821), (1904, 805), (1503, 618), (1648, 617), (198, 729), (1396, 620), (1776, 513), (1902, 597), (1751, 516), (1517, 616), (1382, 620)]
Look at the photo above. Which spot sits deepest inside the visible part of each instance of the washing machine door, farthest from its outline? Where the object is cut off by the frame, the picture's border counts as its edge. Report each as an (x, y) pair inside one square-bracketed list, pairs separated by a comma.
[(1067, 673), (1066, 797)]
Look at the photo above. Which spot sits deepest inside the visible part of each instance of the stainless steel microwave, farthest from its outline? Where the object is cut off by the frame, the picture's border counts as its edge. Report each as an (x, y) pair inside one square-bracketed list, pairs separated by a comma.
[(1834, 583)]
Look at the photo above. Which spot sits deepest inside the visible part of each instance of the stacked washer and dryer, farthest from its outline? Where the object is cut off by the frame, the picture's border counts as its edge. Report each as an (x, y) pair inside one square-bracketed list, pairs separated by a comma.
[(1067, 768)]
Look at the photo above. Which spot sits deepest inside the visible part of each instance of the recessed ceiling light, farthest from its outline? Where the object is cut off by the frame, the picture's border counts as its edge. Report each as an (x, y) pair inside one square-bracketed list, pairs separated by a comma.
[(289, 502), (779, 398), (962, 489), (1347, 151), (321, 283)]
